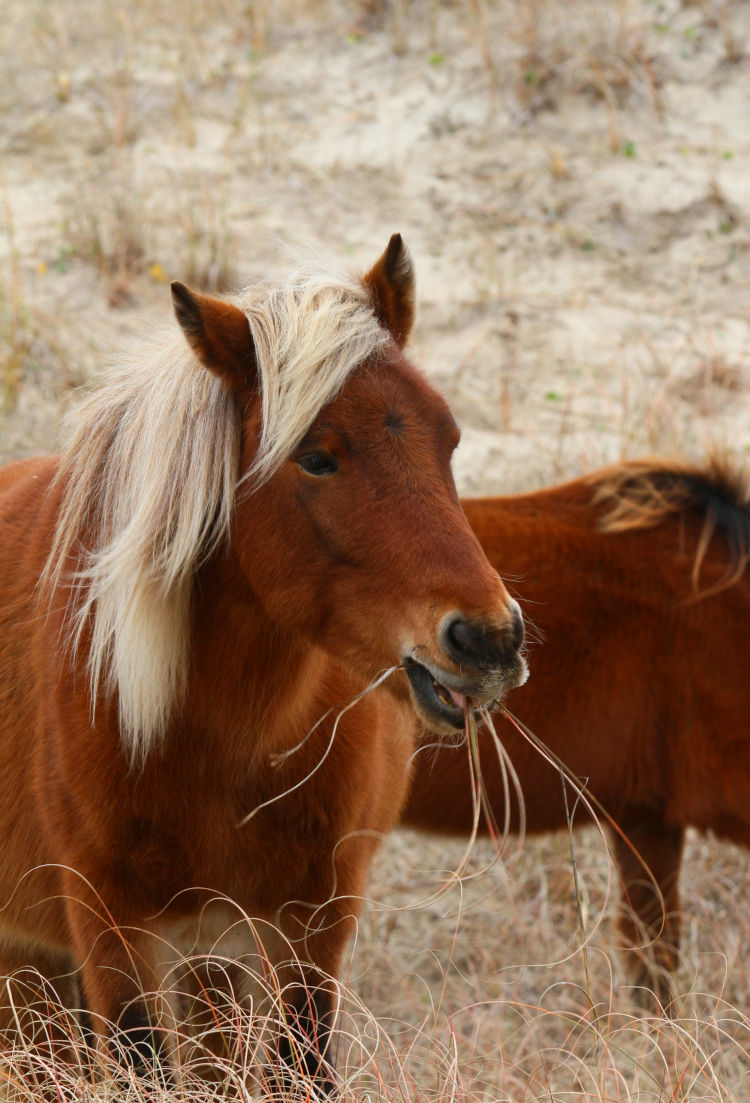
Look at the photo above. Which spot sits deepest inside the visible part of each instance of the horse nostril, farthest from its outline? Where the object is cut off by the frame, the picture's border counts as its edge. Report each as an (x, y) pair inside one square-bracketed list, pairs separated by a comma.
[(461, 635), (482, 644), (474, 643)]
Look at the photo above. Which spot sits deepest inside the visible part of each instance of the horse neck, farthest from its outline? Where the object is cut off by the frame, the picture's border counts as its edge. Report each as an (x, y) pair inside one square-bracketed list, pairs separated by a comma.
[(254, 686)]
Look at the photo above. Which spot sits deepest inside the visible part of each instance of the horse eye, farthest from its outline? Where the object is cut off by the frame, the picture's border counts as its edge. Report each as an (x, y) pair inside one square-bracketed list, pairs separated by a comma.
[(318, 463)]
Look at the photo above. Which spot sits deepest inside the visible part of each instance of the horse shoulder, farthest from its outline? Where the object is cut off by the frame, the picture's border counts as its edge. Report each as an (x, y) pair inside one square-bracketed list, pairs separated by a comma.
[(27, 510)]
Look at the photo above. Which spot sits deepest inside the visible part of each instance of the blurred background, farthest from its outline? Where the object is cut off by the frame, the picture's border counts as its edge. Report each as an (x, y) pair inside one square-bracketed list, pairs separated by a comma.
[(573, 179)]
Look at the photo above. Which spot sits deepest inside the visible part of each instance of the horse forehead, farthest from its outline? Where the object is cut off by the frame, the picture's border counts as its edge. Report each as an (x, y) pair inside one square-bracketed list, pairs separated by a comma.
[(395, 388)]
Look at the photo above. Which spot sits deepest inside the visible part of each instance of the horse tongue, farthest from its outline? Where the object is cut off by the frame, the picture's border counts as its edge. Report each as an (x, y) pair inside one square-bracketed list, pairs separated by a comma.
[(458, 699)]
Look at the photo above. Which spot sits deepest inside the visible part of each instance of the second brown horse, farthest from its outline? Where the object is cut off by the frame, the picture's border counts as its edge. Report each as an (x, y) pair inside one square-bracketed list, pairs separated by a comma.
[(636, 581)]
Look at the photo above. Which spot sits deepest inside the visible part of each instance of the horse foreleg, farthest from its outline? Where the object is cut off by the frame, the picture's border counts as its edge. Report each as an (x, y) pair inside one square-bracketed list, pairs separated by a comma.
[(649, 924), (40, 1000), (119, 984), (306, 1040), (306, 1047)]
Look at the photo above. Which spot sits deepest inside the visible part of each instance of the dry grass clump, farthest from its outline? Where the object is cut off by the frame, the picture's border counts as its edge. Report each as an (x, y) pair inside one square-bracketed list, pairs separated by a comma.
[(610, 51), (105, 224), (32, 349), (111, 96), (497, 967), (120, 228), (596, 49), (37, 371), (463, 985)]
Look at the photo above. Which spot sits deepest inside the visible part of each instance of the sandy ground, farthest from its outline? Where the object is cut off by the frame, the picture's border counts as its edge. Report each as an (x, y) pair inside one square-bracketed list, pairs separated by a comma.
[(573, 180)]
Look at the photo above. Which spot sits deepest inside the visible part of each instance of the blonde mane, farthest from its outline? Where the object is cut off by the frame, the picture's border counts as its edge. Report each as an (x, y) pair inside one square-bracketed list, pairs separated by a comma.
[(150, 479)]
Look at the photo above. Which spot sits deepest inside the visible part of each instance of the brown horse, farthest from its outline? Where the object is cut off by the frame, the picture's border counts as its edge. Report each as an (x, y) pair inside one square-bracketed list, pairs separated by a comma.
[(249, 527), (636, 581)]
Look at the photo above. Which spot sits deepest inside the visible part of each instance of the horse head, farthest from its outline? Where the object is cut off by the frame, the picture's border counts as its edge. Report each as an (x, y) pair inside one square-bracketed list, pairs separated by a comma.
[(348, 526)]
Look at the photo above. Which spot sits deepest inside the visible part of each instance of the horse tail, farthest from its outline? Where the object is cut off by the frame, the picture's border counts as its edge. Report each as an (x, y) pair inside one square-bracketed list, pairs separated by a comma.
[(643, 493)]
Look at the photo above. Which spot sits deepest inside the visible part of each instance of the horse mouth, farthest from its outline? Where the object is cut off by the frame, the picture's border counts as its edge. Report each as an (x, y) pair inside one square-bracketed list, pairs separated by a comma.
[(439, 704)]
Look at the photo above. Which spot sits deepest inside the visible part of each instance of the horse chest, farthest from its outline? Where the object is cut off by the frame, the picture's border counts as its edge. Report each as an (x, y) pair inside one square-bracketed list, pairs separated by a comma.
[(261, 864), (220, 928), (219, 947)]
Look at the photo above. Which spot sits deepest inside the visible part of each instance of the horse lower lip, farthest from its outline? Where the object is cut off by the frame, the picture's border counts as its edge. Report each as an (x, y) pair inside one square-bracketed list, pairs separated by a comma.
[(434, 698)]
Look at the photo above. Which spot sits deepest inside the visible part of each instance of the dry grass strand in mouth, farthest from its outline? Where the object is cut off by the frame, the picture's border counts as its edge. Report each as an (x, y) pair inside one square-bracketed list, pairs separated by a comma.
[(481, 806)]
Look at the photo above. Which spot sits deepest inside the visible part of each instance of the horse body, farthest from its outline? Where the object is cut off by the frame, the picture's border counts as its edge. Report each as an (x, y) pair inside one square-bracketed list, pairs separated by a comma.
[(196, 600), (635, 582)]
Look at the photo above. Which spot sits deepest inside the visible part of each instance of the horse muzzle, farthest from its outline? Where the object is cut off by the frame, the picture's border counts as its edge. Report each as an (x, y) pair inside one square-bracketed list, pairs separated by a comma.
[(486, 661)]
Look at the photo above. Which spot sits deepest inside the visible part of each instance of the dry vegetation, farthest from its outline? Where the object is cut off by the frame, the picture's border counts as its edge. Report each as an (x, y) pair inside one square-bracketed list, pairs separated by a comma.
[(572, 177)]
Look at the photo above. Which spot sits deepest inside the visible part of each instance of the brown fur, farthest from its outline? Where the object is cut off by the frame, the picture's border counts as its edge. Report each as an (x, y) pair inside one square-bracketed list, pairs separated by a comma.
[(636, 582), (321, 584)]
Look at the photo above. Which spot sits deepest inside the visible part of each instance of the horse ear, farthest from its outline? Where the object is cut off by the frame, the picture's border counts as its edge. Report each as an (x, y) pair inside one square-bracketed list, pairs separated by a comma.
[(218, 332), (391, 282)]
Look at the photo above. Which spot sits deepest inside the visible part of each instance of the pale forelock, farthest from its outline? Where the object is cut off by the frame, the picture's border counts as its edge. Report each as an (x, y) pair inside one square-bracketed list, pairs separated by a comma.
[(150, 478), (308, 338)]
